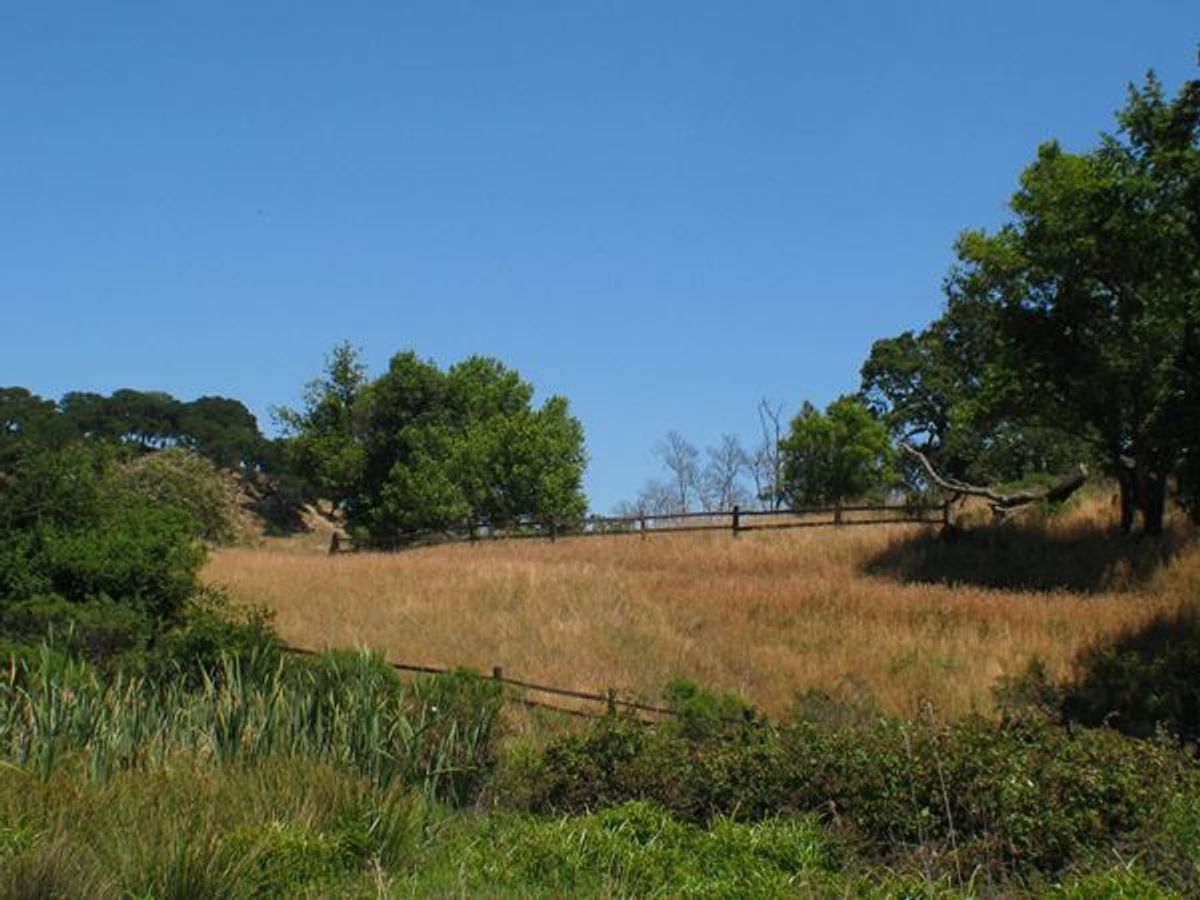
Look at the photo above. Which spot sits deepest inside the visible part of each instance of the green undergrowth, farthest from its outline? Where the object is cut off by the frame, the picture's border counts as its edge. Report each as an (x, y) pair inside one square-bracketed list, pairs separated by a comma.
[(332, 776), (349, 710), (301, 829)]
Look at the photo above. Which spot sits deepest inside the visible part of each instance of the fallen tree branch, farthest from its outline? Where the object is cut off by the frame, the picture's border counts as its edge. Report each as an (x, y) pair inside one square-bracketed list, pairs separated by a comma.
[(1001, 504)]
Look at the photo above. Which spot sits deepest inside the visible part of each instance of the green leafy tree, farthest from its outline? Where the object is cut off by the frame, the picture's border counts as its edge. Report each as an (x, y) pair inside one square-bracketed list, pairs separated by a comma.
[(325, 444), (224, 431), (925, 386), (89, 415), (148, 419), (1095, 286), (836, 455), (421, 448), (467, 445), (929, 389), (28, 424)]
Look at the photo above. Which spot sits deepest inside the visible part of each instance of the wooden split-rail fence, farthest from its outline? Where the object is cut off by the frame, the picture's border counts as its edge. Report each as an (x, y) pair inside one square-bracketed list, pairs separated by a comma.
[(734, 521), (612, 702)]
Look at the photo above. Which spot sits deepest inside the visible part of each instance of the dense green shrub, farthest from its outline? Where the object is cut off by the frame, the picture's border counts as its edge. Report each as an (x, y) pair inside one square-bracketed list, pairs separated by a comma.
[(1024, 795), (700, 713), (186, 481), (86, 562), (1020, 794), (66, 529), (145, 557), (211, 633), (98, 629)]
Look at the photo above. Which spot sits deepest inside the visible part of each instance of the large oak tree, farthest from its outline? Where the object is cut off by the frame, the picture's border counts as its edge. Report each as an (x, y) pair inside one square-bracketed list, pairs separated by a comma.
[(1079, 317)]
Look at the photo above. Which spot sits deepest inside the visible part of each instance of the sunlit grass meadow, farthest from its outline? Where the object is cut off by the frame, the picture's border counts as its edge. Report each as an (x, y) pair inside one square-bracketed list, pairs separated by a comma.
[(892, 613)]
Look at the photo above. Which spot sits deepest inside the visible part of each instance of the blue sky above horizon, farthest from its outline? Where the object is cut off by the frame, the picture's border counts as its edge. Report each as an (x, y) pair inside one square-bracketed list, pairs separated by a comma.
[(663, 211)]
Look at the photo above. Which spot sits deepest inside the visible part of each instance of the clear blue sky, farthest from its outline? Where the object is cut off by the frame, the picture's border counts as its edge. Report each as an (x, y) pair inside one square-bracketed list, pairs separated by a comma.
[(662, 210)]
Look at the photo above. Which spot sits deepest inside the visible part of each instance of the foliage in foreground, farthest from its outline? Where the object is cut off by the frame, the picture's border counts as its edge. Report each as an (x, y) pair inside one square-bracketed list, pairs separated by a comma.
[(299, 828), (1016, 800), (328, 776), (347, 710)]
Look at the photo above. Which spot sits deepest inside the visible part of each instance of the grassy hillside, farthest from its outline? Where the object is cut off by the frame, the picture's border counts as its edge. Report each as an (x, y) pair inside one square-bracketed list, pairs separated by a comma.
[(895, 613), (210, 765)]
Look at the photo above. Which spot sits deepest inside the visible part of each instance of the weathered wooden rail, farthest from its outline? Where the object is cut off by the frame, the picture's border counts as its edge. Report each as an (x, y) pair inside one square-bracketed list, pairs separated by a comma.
[(735, 521), (611, 700)]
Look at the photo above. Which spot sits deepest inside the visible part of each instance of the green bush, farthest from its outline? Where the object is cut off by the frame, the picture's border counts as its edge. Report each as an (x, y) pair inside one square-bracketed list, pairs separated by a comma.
[(66, 529), (701, 714), (1020, 795), (1025, 795), (209, 635), (144, 557), (186, 481), (1117, 884), (89, 565), (99, 630), (56, 489)]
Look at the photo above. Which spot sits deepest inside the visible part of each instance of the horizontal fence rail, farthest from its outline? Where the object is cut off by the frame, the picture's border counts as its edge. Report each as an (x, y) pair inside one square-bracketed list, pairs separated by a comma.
[(734, 521), (610, 698)]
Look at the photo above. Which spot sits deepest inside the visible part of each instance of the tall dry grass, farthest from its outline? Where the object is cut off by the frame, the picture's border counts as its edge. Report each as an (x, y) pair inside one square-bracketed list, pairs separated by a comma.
[(890, 612)]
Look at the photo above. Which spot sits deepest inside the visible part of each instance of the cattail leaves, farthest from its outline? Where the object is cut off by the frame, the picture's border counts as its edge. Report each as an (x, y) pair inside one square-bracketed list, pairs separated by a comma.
[(346, 710)]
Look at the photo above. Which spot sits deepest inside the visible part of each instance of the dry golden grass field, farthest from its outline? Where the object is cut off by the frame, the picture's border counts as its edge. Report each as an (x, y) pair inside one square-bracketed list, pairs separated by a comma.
[(890, 612)]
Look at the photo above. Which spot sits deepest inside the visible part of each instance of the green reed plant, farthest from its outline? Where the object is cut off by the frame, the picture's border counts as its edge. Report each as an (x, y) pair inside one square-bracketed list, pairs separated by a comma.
[(438, 735)]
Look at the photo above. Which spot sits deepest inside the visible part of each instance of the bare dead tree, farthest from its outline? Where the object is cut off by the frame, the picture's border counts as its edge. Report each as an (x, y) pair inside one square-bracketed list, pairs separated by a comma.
[(720, 482), (681, 458), (1003, 505), (766, 463), (655, 498)]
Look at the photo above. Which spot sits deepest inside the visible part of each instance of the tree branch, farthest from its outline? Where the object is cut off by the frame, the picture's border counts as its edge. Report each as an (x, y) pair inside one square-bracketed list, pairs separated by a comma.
[(1001, 504)]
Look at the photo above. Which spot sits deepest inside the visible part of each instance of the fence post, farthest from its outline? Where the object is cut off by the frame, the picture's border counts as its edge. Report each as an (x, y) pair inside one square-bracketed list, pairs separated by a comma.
[(335, 543), (747, 722), (837, 511), (612, 701), (642, 526), (553, 531), (497, 673), (737, 519)]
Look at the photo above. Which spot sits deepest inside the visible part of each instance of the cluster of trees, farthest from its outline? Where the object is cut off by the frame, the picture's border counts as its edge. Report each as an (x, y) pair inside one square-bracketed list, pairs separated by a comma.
[(822, 459), (1074, 330), (416, 449), (727, 475), (1071, 334), (221, 429), (420, 448)]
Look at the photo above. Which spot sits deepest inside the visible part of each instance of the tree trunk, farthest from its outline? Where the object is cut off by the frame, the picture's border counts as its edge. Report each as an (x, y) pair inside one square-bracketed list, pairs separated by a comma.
[(1154, 502), (1129, 504), (1144, 490)]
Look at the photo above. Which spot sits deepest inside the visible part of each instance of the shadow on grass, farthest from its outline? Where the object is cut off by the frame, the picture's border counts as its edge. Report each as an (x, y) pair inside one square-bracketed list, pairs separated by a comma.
[(1028, 556), (1145, 679), (1141, 682)]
